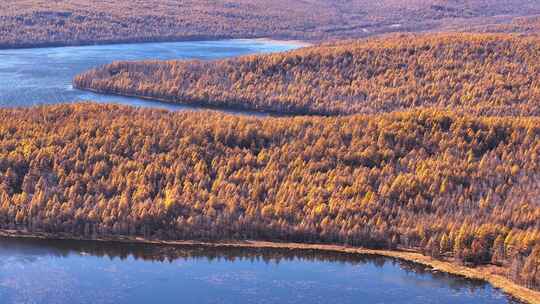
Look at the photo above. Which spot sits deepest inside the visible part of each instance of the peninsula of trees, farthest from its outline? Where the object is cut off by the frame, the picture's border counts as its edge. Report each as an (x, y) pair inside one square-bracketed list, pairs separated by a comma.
[(454, 186), (484, 74), (31, 23)]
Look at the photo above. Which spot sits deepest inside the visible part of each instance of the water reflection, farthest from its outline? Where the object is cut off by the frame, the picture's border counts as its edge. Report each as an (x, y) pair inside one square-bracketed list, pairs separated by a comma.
[(233, 275)]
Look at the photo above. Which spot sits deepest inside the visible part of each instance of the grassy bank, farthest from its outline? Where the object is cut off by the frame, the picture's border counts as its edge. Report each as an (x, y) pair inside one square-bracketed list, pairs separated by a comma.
[(489, 274)]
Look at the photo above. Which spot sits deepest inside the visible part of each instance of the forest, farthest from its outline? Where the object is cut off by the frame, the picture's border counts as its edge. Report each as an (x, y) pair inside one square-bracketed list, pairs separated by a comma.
[(454, 186), (31, 23), (484, 74)]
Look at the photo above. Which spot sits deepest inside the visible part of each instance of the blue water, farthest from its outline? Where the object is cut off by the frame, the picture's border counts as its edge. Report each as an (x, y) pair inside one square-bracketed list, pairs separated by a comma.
[(44, 75), (38, 271)]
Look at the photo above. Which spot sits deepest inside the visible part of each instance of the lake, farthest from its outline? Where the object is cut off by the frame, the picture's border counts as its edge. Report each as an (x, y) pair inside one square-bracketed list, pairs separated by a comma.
[(47, 271), (44, 75)]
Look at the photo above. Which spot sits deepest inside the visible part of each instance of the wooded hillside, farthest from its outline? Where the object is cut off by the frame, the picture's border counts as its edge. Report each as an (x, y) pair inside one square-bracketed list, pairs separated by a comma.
[(450, 185), (485, 74), (26, 23)]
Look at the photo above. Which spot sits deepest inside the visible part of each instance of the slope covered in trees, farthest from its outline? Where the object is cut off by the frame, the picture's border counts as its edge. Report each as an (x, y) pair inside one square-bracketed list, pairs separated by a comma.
[(452, 186), (486, 74), (41, 23)]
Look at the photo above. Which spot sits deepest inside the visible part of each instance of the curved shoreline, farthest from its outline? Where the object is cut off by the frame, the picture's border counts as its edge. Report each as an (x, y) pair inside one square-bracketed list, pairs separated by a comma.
[(197, 106), (479, 273)]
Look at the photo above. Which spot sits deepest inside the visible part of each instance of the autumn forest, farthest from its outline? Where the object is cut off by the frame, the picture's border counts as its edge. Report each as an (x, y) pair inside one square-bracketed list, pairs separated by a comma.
[(447, 184), (403, 127)]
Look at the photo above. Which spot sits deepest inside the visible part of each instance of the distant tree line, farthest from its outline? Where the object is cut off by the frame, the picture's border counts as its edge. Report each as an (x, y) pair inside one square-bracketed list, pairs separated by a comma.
[(451, 186), (26, 23), (523, 25)]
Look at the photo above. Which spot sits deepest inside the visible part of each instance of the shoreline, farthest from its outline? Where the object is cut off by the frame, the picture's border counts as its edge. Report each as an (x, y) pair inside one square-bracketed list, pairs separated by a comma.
[(479, 273), (198, 106), (295, 42), (45, 45)]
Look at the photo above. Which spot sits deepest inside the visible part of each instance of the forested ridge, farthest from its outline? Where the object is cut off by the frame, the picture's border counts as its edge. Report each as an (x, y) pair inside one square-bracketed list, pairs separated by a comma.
[(30, 23), (448, 185), (484, 74)]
